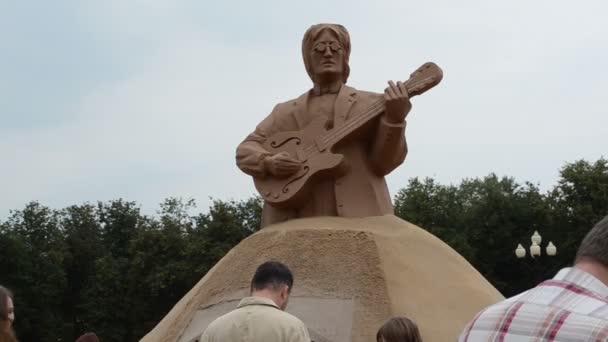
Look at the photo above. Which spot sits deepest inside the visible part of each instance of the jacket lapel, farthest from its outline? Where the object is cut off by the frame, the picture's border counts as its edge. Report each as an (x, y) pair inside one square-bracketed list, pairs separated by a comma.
[(346, 99), (300, 111)]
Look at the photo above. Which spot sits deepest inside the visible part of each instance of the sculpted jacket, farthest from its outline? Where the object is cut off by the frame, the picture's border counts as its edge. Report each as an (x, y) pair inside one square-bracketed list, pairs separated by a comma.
[(371, 153)]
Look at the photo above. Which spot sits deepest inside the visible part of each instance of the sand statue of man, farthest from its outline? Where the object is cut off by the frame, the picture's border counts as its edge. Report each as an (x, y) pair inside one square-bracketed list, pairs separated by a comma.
[(371, 151)]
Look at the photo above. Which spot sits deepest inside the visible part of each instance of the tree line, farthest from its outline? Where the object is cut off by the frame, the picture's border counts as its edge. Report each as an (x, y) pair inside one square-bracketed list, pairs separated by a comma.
[(108, 268)]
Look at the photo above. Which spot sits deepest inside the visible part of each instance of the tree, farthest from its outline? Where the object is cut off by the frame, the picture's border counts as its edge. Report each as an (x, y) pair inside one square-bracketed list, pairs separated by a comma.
[(83, 248), (482, 219), (579, 200), (34, 264)]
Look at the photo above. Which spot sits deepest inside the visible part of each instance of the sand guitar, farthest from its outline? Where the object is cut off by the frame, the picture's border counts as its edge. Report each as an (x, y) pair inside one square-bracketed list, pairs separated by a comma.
[(312, 146)]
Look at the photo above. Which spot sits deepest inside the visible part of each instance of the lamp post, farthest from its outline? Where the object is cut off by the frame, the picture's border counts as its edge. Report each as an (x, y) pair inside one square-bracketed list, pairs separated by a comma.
[(535, 253), (535, 247)]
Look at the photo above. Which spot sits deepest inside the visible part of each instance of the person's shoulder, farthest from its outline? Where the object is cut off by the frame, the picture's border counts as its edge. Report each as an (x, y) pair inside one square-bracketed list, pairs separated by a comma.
[(288, 319), (219, 322), (499, 308)]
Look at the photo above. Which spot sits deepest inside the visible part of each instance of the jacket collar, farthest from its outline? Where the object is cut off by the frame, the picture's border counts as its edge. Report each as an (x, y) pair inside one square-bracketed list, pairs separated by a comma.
[(345, 100), (255, 300)]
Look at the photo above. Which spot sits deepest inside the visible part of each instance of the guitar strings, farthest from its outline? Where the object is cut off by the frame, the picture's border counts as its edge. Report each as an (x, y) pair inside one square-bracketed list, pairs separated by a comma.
[(310, 150), (369, 113), (327, 138)]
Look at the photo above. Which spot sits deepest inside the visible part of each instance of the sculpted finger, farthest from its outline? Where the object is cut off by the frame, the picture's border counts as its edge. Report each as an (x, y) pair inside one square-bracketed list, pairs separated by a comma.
[(285, 167), (283, 170), (397, 89), (286, 158), (289, 165), (403, 90), (391, 90)]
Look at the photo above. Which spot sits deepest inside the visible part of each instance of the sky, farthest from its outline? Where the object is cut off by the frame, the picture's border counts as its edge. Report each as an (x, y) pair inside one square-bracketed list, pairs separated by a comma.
[(148, 99)]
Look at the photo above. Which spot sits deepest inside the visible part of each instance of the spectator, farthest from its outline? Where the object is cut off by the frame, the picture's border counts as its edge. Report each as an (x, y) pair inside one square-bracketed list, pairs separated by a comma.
[(7, 316), (88, 337), (573, 306), (398, 329), (260, 317)]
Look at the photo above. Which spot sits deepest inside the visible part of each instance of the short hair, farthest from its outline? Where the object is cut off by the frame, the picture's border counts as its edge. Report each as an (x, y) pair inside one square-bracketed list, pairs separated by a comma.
[(313, 32), (595, 244), (4, 295), (399, 329), (271, 274)]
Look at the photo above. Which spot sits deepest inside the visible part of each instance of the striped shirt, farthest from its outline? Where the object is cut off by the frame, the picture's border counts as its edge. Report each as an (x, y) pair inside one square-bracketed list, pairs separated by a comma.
[(572, 307)]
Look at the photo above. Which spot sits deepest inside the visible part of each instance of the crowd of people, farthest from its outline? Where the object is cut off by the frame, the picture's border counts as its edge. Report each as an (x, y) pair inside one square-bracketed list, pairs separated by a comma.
[(573, 307)]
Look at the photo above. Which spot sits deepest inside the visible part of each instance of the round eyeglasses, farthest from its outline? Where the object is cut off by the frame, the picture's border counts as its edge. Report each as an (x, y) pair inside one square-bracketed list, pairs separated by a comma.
[(322, 46)]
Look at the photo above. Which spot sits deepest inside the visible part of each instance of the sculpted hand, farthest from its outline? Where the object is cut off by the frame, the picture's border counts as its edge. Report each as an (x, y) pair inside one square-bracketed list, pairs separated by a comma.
[(281, 164), (397, 102)]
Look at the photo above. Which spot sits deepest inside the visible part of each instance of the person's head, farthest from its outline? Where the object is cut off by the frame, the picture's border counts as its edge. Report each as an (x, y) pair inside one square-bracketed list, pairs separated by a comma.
[(398, 329), (273, 280), (595, 245), (326, 49), (7, 309), (88, 337)]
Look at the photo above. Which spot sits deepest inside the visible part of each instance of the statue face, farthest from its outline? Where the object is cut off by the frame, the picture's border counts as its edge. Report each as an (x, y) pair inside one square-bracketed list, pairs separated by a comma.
[(327, 57)]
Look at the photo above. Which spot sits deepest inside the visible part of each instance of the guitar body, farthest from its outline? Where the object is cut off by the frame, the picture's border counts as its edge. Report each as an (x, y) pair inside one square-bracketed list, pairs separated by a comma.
[(317, 161)]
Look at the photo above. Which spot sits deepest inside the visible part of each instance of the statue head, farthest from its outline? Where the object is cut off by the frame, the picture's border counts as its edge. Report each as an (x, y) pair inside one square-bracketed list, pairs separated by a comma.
[(326, 49)]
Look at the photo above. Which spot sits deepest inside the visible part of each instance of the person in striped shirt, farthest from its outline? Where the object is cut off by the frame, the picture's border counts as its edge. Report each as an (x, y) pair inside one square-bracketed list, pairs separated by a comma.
[(573, 306)]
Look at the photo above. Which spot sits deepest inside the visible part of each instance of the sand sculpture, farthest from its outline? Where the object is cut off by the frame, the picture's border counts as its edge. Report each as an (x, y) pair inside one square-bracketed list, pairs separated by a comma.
[(326, 152), (319, 162)]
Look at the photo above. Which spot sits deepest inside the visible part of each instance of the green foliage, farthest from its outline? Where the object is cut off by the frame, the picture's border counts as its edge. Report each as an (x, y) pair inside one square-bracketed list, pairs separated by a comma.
[(484, 219), (110, 269), (107, 268)]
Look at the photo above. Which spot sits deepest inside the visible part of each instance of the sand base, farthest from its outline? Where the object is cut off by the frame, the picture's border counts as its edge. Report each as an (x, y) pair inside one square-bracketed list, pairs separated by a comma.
[(350, 276)]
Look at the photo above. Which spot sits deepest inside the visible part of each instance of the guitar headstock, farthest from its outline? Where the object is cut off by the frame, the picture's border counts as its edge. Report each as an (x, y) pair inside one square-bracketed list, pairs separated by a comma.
[(424, 78)]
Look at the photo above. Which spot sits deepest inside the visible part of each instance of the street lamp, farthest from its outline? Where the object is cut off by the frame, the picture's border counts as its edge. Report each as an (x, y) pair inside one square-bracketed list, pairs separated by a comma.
[(535, 247), (551, 249), (520, 251)]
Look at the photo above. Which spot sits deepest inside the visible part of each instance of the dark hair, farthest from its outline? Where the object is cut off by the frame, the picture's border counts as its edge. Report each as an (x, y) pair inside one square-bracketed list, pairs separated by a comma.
[(595, 244), (271, 274), (398, 329), (88, 337), (313, 32), (4, 295)]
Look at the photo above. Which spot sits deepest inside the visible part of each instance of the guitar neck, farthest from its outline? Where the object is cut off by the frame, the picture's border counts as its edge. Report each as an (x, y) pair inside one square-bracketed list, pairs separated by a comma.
[(361, 118)]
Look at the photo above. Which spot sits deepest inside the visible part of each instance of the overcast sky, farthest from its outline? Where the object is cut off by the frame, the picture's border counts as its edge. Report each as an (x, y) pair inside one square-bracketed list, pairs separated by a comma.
[(146, 99)]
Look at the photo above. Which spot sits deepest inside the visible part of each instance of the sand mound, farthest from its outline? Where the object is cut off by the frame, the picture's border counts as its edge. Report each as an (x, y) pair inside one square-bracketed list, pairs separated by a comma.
[(350, 276)]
